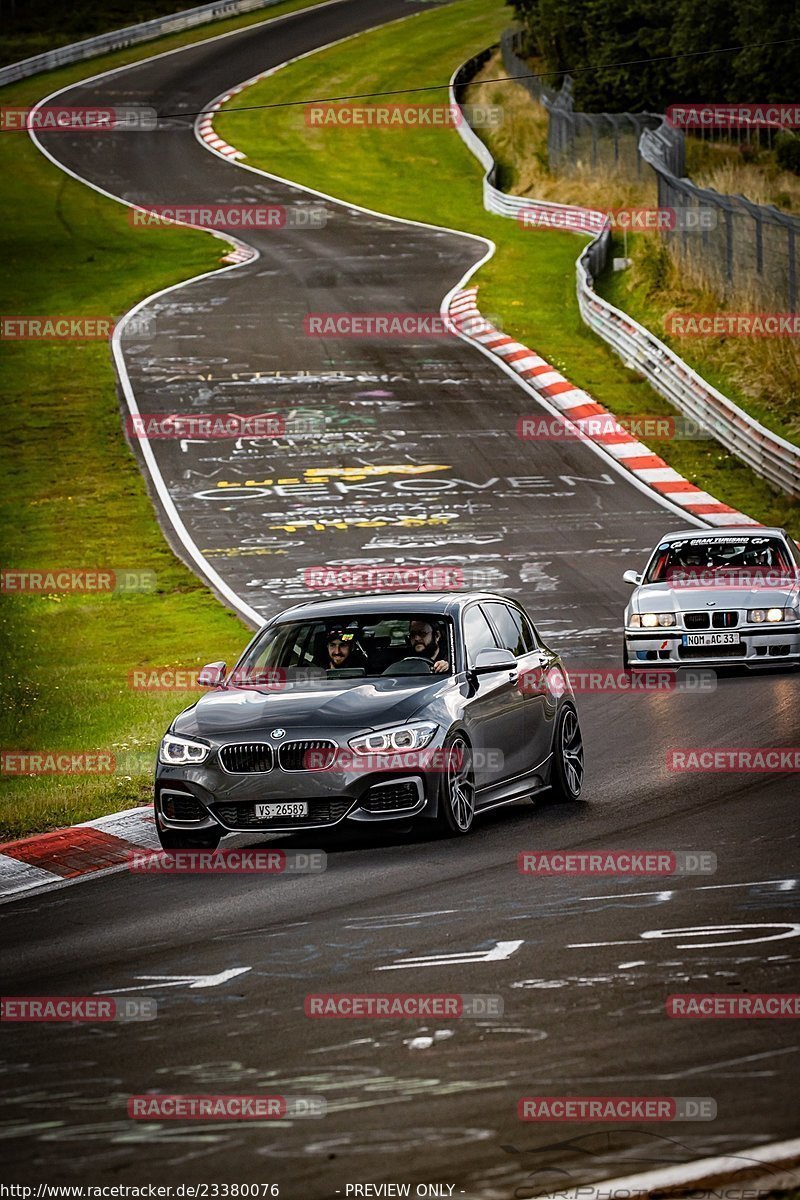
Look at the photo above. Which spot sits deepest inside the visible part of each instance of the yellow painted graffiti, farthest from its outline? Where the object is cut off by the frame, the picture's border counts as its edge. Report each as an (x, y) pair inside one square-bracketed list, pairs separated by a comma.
[(323, 474)]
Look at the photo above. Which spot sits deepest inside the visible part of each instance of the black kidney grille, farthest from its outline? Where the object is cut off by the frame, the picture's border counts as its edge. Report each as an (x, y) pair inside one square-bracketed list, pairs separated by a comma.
[(725, 620), (320, 812), (306, 756), (246, 758), (699, 620)]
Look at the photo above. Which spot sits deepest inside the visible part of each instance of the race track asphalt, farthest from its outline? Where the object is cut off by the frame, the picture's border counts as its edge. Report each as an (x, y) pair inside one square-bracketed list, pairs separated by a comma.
[(591, 961)]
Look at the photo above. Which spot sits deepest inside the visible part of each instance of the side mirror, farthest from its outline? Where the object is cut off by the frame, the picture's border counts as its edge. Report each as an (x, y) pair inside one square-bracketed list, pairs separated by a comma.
[(494, 660), (211, 675), (632, 577)]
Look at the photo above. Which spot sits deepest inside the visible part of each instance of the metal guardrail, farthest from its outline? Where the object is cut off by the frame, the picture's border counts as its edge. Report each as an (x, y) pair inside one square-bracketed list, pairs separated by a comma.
[(750, 249), (771, 456), (118, 39)]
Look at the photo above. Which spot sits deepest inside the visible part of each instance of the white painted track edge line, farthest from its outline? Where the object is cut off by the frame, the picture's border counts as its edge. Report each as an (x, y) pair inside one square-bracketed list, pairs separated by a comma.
[(704, 1169), (458, 287), (253, 255), (206, 571), (215, 37), (59, 881)]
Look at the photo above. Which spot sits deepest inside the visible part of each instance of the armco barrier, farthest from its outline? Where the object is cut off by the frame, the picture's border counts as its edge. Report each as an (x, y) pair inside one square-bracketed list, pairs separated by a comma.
[(118, 39), (771, 456)]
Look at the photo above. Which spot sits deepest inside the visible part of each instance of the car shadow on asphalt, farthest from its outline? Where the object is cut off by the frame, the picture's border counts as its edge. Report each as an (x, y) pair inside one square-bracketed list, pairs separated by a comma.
[(379, 836)]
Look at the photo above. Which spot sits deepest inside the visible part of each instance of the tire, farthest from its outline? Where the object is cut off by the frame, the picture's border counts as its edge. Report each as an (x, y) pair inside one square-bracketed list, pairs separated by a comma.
[(566, 776), (456, 790), (176, 839), (626, 662)]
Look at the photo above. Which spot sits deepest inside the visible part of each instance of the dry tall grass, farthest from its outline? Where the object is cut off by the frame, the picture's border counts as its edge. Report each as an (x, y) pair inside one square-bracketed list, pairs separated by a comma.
[(720, 166), (764, 370)]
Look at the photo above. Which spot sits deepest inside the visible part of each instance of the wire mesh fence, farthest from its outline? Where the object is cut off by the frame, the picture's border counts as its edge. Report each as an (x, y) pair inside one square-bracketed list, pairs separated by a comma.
[(770, 455), (744, 251)]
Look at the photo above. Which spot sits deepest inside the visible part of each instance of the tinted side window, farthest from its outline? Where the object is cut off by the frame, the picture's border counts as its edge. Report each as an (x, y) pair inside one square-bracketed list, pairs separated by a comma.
[(477, 634), (529, 638), (509, 627)]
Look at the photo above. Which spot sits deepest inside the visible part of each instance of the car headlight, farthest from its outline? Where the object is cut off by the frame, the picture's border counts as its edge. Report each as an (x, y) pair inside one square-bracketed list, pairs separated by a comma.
[(772, 615), (398, 737), (178, 751), (650, 620)]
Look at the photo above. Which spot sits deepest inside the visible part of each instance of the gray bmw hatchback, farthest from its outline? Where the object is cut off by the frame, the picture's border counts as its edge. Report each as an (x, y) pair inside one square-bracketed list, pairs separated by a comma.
[(435, 706)]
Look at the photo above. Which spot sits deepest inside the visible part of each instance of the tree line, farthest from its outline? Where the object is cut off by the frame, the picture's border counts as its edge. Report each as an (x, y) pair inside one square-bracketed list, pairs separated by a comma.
[(572, 34)]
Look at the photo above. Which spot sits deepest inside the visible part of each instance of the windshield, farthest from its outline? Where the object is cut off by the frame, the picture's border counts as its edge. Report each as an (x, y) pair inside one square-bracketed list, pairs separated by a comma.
[(713, 559), (338, 648)]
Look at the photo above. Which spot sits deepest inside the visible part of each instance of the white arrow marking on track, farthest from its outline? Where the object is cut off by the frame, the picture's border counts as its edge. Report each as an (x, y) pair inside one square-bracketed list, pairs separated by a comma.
[(785, 930), (194, 981), (499, 951)]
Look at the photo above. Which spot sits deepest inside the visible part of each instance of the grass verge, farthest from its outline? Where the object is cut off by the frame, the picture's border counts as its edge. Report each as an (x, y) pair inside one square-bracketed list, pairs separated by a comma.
[(72, 495), (29, 29), (762, 375), (429, 175)]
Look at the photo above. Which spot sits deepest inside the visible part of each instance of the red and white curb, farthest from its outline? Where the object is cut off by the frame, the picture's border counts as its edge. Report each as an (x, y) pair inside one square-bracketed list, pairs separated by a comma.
[(241, 254), (582, 411), (51, 860), (103, 846), (577, 406), (205, 127)]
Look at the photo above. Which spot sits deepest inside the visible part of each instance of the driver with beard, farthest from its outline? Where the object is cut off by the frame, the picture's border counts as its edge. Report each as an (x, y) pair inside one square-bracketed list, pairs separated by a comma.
[(342, 649), (425, 640)]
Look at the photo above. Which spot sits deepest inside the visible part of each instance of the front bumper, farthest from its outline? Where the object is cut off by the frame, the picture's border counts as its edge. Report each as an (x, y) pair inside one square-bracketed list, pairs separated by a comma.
[(756, 647), (205, 796)]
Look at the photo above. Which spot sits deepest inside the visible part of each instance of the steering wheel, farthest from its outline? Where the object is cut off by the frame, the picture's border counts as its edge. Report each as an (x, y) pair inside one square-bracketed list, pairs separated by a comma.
[(410, 666)]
